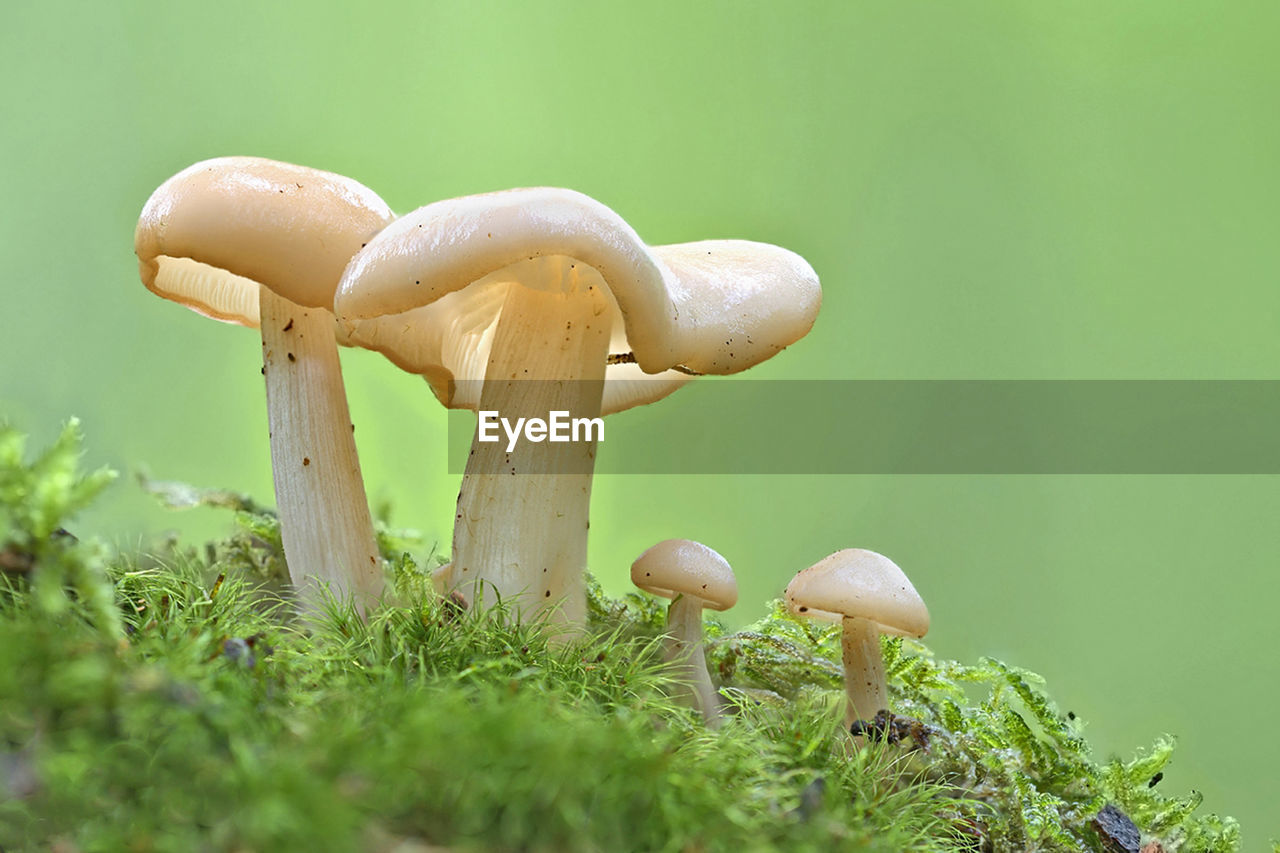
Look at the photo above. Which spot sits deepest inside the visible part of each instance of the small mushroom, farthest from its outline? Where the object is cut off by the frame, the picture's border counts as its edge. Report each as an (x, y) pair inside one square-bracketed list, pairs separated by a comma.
[(869, 595), (260, 243), (440, 579), (536, 300), (693, 576)]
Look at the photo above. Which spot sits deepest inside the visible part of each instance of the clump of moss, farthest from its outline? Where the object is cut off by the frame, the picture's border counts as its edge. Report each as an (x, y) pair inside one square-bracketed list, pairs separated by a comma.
[(1028, 774), (173, 702), (35, 498)]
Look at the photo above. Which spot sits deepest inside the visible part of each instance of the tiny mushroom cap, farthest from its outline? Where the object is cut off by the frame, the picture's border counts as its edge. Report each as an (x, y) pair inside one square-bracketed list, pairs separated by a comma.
[(859, 584), (677, 567)]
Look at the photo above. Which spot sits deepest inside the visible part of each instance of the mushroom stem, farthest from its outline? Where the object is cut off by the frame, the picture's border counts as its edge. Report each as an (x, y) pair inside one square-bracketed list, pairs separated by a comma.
[(864, 681), (324, 516), (521, 525), (683, 651)]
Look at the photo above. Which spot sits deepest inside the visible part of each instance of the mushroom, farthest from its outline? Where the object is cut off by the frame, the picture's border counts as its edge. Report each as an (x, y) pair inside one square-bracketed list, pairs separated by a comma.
[(869, 595), (530, 301), (693, 576), (261, 243)]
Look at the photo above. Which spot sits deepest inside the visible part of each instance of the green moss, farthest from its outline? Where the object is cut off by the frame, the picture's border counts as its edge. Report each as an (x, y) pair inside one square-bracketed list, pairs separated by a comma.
[(34, 500), (174, 703), (1031, 780)]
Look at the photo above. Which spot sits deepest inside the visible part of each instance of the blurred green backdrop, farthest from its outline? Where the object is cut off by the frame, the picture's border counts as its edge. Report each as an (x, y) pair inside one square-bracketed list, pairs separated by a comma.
[(989, 190)]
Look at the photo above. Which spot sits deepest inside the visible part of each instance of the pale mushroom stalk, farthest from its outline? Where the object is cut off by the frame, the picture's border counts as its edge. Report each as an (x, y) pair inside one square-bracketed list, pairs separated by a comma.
[(864, 679), (683, 650), (521, 523), (325, 523)]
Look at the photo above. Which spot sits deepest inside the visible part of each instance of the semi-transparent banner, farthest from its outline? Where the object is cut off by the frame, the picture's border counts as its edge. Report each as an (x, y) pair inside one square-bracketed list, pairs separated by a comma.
[(741, 426)]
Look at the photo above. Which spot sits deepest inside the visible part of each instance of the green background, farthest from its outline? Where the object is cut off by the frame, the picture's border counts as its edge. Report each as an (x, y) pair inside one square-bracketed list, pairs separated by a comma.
[(989, 190)]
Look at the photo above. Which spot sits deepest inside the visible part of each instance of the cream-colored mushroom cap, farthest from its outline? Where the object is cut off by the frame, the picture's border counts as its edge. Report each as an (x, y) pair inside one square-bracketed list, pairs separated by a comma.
[(448, 343), (446, 246), (738, 302), (683, 567), (212, 233), (427, 292), (860, 584)]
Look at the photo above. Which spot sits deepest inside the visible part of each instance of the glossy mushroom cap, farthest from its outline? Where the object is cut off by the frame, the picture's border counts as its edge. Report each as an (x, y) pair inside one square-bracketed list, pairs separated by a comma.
[(428, 291), (738, 302), (859, 584), (212, 233), (682, 567)]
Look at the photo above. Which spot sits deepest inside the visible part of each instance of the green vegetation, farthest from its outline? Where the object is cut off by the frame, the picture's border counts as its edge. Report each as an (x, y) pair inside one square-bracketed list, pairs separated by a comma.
[(171, 701)]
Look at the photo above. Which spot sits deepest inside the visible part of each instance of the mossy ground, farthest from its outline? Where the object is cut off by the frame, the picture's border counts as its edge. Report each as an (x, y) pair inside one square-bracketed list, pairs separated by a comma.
[(172, 701)]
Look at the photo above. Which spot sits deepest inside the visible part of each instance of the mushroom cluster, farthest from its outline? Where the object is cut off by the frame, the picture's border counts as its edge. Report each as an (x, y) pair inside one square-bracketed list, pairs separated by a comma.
[(521, 302)]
